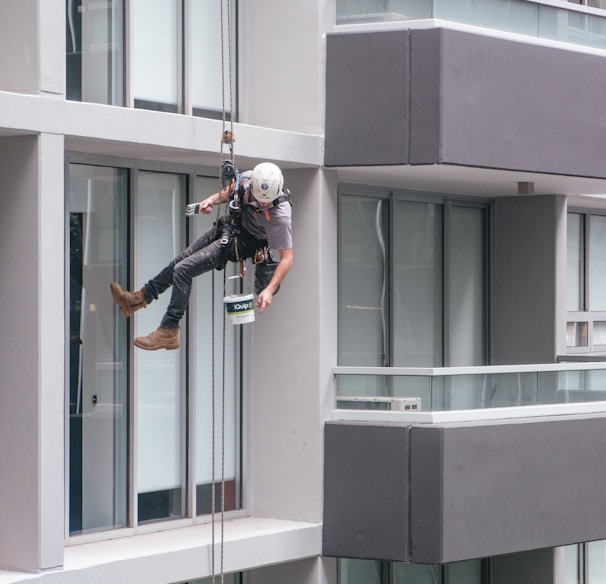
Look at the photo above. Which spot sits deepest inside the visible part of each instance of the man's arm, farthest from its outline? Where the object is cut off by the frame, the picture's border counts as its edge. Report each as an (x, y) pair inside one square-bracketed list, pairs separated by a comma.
[(206, 206), (283, 267)]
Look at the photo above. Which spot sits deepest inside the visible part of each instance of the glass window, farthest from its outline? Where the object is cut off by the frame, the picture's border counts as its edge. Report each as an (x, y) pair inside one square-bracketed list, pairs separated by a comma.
[(95, 51), (225, 579), (377, 572), (572, 564), (467, 572), (156, 60), (96, 38), (575, 247), (160, 378), (599, 332), (210, 341), (415, 574), (363, 284), (98, 373), (577, 334), (213, 66), (358, 11), (391, 283), (510, 15), (417, 291), (586, 282), (360, 571), (596, 562), (104, 369), (592, 3), (467, 344)]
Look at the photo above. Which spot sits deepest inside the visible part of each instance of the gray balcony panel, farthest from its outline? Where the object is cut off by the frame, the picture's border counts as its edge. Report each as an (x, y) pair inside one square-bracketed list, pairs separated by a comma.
[(474, 489), (366, 482), (367, 88), (441, 96), (508, 487)]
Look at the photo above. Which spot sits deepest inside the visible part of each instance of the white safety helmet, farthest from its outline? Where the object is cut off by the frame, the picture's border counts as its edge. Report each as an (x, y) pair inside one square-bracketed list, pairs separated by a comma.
[(266, 182)]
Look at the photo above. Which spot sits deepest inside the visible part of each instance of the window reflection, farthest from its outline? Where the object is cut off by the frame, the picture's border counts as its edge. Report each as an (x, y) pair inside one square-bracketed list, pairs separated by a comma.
[(98, 390), (95, 51), (157, 37), (159, 375), (226, 346)]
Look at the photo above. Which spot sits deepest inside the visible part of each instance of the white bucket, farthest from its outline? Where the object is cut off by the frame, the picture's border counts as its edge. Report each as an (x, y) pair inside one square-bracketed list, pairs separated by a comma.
[(239, 308)]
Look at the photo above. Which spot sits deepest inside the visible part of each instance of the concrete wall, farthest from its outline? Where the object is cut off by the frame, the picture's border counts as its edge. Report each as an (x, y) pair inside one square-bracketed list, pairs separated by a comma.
[(282, 77), (32, 46), (19, 46), (530, 284), (294, 349), (447, 97), (444, 493), (31, 316)]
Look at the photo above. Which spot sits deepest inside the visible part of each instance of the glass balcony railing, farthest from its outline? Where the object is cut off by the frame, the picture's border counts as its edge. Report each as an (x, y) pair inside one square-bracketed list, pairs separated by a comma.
[(576, 24), (468, 388)]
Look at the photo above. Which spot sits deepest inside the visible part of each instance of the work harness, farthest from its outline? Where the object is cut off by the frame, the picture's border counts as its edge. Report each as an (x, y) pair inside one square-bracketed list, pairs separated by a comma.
[(230, 225)]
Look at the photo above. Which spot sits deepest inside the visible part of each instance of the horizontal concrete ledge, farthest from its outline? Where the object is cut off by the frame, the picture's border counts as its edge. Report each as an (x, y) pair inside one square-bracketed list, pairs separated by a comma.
[(479, 415), (182, 554), (135, 133)]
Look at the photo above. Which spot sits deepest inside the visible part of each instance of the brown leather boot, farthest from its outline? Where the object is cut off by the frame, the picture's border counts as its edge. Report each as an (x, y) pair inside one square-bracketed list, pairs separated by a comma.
[(129, 302), (161, 338)]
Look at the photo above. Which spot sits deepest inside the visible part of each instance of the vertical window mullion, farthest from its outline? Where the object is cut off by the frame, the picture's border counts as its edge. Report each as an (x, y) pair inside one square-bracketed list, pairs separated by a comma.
[(190, 417), (186, 68), (585, 226), (129, 100), (181, 56), (133, 394), (389, 284), (446, 278)]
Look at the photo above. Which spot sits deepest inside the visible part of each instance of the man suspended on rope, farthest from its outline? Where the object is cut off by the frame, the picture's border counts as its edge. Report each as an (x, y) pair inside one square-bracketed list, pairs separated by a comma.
[(260, 223)]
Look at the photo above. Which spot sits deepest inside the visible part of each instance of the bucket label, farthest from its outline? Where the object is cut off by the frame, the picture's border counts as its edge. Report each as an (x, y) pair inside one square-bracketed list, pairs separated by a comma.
[(239, 308)]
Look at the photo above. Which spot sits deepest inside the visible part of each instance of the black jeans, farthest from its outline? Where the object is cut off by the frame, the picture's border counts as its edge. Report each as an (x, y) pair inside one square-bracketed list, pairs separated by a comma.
[(212, 250)]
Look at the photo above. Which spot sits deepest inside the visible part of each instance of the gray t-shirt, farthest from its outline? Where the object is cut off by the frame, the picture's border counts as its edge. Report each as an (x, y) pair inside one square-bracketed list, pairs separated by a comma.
[(273, 224)]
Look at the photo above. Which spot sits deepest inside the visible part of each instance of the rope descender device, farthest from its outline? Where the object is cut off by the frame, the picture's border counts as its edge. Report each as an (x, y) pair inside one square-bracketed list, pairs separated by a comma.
[(227, 138), (231, 177)]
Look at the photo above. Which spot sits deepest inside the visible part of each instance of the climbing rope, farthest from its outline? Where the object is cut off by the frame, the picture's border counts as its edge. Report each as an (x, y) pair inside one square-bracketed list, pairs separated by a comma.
[(227, 139), (227, 136), (213, 495), (212, 406)]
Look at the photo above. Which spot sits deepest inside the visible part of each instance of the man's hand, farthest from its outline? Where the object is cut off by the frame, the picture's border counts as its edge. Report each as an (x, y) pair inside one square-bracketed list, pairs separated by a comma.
[(264, 299), (206, 206), (283, 267)]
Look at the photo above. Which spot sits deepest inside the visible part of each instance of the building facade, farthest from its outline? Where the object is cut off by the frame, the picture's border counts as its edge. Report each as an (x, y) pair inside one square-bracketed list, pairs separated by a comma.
[(424, 399)]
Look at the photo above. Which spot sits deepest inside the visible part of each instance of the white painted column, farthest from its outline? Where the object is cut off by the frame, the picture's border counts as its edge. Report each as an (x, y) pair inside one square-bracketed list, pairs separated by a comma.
[(32, 356), (52, 24), (294, 350), (51, 339)]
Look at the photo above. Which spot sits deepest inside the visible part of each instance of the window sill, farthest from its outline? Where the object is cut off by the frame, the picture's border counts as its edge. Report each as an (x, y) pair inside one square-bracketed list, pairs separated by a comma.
[(183, 554)]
